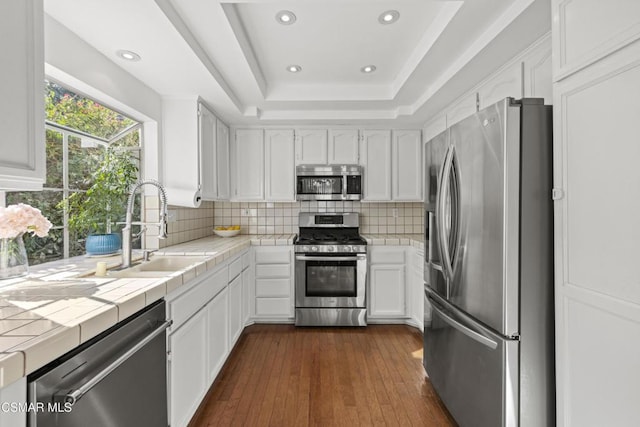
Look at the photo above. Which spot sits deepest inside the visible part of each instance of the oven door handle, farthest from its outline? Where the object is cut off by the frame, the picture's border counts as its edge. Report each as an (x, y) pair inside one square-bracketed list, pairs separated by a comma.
[(73, 396), (329, 258)]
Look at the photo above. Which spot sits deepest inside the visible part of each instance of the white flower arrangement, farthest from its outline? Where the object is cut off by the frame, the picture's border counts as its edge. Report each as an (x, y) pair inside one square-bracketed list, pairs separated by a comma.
[(22, 218)]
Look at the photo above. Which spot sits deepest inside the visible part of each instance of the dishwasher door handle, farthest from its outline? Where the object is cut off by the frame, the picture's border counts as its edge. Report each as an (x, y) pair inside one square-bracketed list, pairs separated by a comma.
[(73, 396)]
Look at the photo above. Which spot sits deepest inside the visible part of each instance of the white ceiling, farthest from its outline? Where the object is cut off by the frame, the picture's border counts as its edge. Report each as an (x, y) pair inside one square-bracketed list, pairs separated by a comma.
[(233, 53)]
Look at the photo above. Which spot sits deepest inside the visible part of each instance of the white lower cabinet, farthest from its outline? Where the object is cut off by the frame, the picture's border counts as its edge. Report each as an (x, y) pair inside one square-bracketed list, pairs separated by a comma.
[(188, 381), (387, 287), (236, 319), (218, 320), (14, 392), (208, 317), (420, 311), (274, 296)]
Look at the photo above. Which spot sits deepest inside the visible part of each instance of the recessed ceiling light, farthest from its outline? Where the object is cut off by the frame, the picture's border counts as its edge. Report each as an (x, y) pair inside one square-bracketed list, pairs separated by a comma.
[(294, 68), (285, 17), (367, 69), (128, 55), (389, 17)]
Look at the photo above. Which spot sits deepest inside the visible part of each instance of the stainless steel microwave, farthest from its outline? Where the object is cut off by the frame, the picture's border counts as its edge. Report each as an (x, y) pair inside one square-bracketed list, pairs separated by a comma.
[(333, 182)]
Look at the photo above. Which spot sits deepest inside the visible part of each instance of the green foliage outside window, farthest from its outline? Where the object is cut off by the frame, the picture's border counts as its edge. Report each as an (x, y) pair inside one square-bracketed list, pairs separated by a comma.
[(88, 161)]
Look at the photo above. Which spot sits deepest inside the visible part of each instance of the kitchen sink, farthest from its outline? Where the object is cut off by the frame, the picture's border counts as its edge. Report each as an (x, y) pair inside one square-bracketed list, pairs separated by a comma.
[(167, 263), (158, 266)]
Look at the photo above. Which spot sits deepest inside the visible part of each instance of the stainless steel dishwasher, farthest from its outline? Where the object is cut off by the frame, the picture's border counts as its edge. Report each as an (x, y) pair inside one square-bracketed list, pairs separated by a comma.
[(116, 379)]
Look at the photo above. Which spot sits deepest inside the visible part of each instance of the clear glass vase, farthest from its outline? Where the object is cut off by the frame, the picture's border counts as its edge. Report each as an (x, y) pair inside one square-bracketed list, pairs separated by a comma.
[(13, 258)]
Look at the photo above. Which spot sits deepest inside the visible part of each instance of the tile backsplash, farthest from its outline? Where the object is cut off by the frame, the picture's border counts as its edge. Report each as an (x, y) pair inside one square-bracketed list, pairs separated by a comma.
[(188, 224), (276, 218), (282, 218)]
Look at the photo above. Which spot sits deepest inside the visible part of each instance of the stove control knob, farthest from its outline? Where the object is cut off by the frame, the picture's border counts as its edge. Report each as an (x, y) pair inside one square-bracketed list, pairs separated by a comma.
[(314, 248), (331, 249), (347, 248)]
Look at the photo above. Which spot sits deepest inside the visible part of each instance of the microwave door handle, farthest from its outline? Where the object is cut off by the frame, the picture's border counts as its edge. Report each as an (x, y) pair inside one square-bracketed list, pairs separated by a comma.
[(344, 187)]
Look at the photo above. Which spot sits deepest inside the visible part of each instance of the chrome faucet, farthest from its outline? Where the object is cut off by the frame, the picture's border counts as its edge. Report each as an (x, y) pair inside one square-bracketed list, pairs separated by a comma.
[(126, 231)]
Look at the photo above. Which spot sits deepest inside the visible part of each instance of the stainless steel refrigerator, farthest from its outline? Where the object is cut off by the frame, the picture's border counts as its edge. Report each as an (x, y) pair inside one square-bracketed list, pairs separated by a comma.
[(489, 349)]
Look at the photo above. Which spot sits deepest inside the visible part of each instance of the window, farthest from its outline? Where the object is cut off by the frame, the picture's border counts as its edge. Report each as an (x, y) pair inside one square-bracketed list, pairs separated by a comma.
[(78, 132)]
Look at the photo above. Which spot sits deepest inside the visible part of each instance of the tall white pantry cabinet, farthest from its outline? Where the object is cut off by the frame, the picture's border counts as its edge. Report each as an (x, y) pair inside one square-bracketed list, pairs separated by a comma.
[(596, 90)]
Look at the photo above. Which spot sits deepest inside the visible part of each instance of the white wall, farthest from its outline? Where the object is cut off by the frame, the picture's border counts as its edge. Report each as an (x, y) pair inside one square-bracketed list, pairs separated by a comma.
[(73, 62)]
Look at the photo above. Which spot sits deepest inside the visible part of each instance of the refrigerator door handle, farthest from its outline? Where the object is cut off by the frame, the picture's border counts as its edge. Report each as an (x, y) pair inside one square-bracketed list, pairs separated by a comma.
[(476, 336), (445, 242)]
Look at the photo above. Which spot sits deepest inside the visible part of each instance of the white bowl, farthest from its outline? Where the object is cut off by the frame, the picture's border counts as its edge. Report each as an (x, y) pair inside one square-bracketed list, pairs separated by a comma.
[(226, 233)]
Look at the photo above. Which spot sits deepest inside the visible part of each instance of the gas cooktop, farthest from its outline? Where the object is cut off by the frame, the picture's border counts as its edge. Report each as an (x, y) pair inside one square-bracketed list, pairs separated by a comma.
[(329, 232)]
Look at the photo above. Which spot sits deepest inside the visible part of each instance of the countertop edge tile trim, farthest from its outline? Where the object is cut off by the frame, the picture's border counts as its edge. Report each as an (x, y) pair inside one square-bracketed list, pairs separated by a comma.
[(11, 367)]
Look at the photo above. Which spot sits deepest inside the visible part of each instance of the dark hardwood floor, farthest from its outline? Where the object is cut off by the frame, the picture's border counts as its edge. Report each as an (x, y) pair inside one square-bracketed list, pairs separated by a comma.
[(280, 375)]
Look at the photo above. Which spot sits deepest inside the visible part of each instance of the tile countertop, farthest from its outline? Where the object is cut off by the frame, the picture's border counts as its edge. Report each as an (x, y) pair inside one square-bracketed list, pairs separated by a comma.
[(55, 308), (416, 240)]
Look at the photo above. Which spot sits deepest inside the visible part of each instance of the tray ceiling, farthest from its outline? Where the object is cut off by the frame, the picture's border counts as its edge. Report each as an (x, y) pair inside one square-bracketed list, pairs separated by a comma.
[(235, 54)]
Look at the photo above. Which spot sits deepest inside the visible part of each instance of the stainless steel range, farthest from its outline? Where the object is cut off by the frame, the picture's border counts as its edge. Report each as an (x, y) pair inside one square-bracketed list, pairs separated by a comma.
[(331, 270)]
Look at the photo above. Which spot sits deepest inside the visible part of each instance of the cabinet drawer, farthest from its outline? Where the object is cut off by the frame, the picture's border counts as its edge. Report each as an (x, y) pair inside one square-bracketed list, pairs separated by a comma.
[(272, 270), (184, 306), (273, 257), (273, 307), (382, 255), (235, 268), (273, 287), (246, 260)]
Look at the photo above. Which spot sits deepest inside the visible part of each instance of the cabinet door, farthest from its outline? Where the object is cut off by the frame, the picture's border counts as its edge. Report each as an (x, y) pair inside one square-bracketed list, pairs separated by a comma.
[(218, 333), (311, 147), (343, 146), (208, 153), (235, 310), (596, 128), (376, 160), (508, 82), (279, 165), (407, 165), (538, 73), (463, 108), (22, 162), (588, 30), (188, 368), (247, 286), (249, 164), (222, 170), (387, 291), (434, 127)]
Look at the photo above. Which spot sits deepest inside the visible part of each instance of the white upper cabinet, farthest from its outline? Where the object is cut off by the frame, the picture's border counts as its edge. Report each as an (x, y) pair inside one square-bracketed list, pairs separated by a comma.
[(311, 147), (463, 108), (407, 165), (507, 82), (22, 162), (248, 162), (222, 161), (207, 133), (434, 127), (279, 165), (538, 72), (181, 151), (375, 157), (343, 146), (587, 30), (193, 156)]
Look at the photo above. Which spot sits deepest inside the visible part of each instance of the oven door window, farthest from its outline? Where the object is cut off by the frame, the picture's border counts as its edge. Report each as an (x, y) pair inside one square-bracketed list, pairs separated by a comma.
[(331, 278)]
